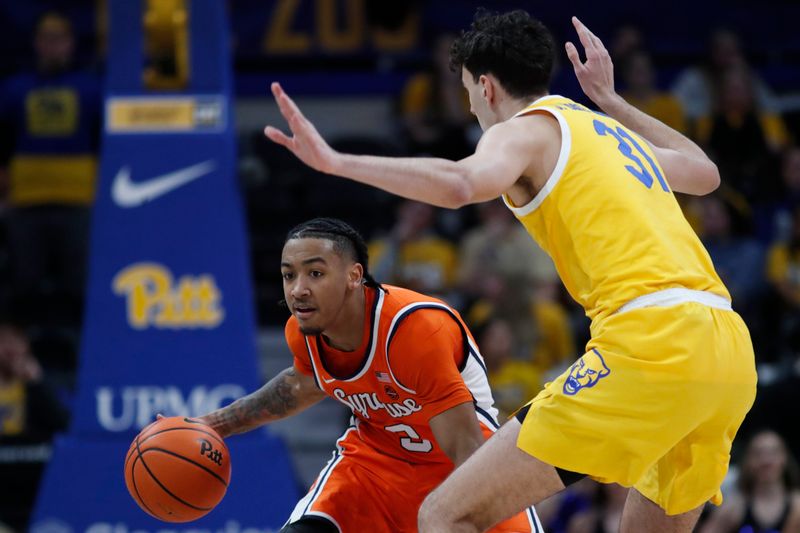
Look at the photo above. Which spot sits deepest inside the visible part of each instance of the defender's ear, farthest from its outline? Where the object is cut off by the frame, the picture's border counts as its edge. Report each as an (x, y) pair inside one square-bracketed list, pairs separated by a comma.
[(488, 89)]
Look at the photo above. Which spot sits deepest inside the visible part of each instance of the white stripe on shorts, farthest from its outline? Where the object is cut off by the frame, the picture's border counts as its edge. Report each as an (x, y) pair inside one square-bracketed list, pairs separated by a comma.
[(676, 296)]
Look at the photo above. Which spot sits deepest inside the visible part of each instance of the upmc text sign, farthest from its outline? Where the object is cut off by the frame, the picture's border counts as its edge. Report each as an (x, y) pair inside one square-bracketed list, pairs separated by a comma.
[(135, 406)]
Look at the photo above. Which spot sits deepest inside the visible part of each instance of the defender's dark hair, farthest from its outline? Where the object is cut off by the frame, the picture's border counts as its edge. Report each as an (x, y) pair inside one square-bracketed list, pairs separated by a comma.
[(515, 47), (345, 238)]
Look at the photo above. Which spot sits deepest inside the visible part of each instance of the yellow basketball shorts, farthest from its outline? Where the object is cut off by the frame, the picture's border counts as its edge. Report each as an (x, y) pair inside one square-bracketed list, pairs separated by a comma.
[(654, 404)]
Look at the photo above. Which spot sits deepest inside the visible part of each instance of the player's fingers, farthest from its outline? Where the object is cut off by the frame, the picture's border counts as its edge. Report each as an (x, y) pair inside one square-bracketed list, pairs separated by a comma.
[(582, 28), (285, 109), (277, 93), (277, 136), (607, 59), (283, 101), (583, 35), (288, 108), (159, 416), (574, 57), (596, 42), (598, 45)]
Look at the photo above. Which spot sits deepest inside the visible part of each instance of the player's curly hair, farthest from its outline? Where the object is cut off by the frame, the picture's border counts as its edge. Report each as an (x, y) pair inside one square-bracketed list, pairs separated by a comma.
[(515, 47), (345, 238)]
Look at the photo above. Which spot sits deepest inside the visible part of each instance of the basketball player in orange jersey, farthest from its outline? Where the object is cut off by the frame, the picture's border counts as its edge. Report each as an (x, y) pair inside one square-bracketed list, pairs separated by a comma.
[(403, 362), (669, 372)]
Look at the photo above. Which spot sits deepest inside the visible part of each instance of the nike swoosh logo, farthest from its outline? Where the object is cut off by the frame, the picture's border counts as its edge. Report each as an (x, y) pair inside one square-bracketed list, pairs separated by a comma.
[(127, 193)]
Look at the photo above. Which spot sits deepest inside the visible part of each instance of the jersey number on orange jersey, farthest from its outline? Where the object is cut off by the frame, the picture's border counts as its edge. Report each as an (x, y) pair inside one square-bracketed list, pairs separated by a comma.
[(411, 442)]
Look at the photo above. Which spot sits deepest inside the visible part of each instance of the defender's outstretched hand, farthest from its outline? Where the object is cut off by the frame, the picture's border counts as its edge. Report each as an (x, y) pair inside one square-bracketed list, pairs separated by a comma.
[(306, 143), (596, 75)]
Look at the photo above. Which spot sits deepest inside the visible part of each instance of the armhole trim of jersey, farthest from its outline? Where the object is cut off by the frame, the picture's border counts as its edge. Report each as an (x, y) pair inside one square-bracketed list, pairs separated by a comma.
[(313, 364), (403, 314), (485, 417), (472, 349), (555, 176)]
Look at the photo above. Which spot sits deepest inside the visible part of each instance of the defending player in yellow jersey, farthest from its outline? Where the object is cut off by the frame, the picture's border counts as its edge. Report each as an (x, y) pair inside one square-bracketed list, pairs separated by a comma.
[(663, 334), (668, 375)]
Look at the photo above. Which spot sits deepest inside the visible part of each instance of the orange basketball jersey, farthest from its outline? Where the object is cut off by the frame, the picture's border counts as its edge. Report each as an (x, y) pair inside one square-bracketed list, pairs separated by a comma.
[(403, 380), (416, 361)]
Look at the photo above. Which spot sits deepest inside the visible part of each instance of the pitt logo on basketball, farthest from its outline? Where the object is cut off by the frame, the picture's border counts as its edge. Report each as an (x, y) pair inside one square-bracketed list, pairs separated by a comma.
[(207, 450), (364, 402), (155, 300)]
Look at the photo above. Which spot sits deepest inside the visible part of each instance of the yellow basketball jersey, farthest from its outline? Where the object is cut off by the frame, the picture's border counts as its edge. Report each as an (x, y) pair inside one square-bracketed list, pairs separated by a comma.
[(608, 218)]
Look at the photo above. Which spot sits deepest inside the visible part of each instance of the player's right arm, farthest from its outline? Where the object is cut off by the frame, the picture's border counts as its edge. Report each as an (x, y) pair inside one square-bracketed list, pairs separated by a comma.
[(503, 154), (688, 169), (286, 394)]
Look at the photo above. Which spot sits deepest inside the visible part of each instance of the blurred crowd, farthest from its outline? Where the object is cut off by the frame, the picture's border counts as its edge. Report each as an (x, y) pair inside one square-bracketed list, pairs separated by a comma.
[(477, 258)]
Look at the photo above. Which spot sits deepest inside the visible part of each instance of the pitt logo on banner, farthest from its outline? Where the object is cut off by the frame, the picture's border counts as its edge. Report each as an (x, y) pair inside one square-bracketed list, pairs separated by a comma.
[(154, 299)]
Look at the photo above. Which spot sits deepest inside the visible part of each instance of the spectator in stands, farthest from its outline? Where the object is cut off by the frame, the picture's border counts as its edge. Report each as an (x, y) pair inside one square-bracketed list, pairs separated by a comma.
[(774, 219), (743, 138), (783, 274), (502, 275), (412, 254), (627, 40), (776, 392), (539, 324), (738, 258), (696, 86), (434, 108), (790, 174), (783, 265), (30, 414), (513, 380), (768, 499), (639, 79), (500, 247), (48, 146), (29, 408)]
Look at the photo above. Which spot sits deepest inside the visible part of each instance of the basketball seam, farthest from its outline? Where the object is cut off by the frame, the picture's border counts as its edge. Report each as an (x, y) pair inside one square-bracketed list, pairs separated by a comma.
[(168, 452), (136, 442), (213, 436), (135, 488), (165, 489), (133, 448)]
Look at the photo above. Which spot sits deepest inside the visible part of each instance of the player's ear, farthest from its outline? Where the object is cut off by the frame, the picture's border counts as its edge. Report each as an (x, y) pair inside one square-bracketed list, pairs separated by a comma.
[(355, 276), (487, 88)]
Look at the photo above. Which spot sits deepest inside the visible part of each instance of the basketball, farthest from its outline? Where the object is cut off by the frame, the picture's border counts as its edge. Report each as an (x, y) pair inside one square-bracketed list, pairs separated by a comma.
[(177, 469)]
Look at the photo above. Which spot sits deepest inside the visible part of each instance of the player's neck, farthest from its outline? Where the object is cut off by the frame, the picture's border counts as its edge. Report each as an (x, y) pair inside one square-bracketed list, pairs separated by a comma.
[(509, 107), (347, 332)]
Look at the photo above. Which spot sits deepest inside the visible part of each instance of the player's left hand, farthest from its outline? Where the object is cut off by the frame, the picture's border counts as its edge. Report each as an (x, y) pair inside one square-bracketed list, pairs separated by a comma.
[(306, 143), (596, 75)]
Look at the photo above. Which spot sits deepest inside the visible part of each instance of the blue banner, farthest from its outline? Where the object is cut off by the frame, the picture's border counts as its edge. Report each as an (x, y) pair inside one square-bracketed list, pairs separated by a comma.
[(169, 325)]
